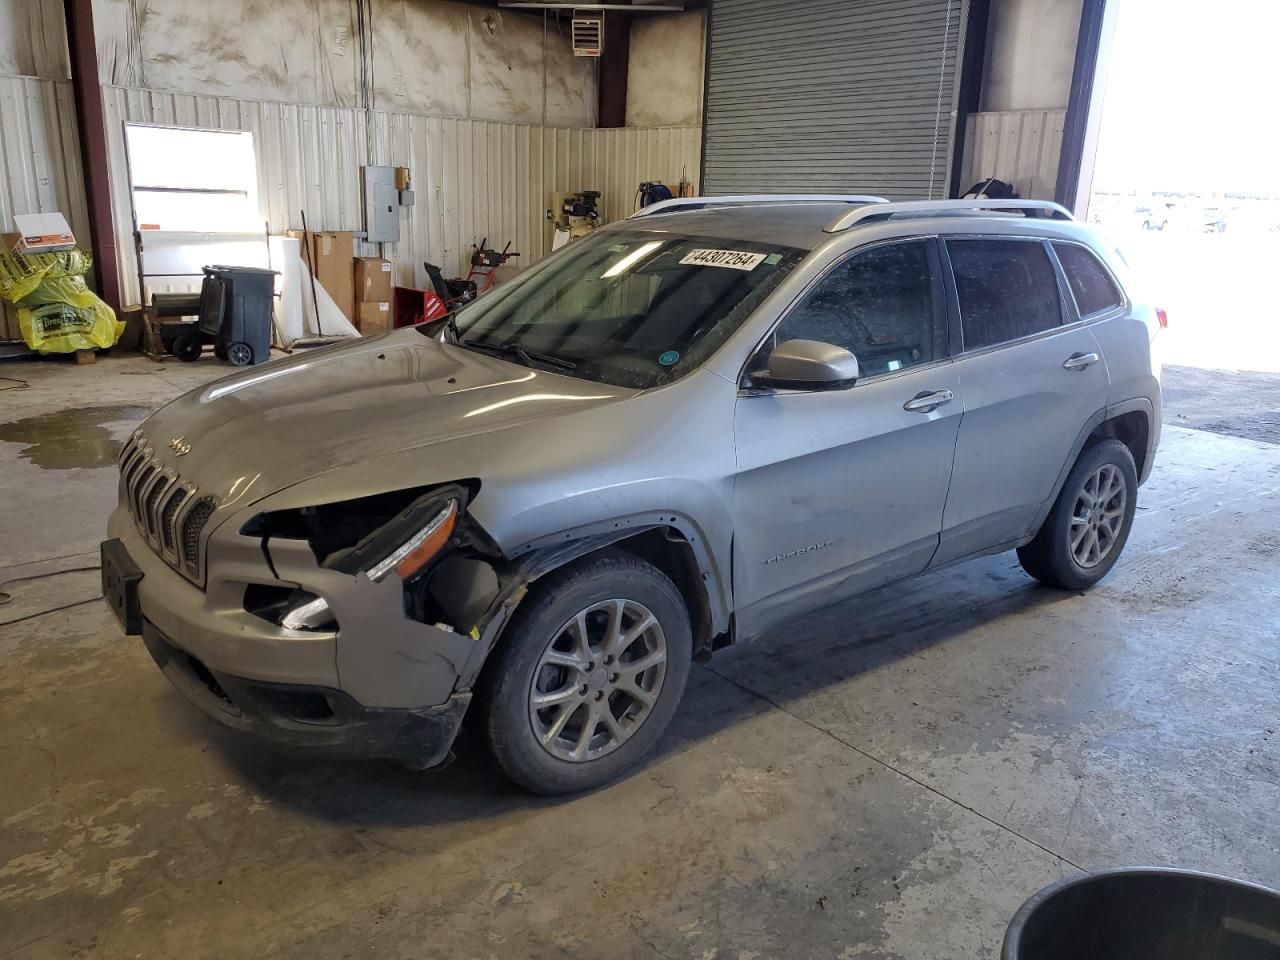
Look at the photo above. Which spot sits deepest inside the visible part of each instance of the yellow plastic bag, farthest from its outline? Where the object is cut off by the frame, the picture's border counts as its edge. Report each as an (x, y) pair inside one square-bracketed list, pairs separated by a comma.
[(19, 274), (64, 315), (72, 290), (22, 273)]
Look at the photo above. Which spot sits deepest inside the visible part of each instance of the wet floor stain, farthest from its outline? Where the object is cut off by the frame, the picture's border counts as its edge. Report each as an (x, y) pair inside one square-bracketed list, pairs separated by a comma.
[(71, 439)]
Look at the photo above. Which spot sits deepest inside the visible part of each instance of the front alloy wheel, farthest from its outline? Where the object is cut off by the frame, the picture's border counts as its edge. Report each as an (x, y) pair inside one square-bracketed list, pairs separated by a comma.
[(587, 675), (598, 680)]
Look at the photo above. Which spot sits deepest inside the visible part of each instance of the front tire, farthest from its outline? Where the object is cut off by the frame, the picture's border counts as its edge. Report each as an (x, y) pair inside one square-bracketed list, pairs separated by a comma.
[(589, 674), (1083, 535)]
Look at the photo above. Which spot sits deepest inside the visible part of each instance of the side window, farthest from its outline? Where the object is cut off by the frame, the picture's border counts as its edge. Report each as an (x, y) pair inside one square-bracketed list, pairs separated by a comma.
[(878, 305), (1007, 289), (1088, 279)]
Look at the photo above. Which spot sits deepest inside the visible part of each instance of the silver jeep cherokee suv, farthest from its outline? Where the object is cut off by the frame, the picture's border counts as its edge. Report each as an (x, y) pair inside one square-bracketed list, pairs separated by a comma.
[(679, 432)]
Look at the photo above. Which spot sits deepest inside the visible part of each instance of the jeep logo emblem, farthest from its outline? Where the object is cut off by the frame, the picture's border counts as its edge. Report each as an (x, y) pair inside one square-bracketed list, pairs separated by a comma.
[(180, 446)]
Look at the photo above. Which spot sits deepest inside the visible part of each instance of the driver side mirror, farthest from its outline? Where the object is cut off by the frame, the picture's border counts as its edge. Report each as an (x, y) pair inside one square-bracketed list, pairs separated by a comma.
[(808, 365)]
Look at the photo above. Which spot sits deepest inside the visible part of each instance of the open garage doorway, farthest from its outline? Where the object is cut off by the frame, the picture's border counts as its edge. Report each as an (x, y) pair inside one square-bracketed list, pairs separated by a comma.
[(1186, 183)]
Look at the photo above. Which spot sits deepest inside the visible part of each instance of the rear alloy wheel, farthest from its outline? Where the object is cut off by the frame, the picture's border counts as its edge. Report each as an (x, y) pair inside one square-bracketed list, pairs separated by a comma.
[(588, 674), (1085, 531), (1097, 516)]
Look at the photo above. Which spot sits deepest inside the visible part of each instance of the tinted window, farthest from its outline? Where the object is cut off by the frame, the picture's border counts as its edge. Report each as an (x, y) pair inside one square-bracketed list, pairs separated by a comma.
[(878, 305), (1089, 281), (1007, 288)]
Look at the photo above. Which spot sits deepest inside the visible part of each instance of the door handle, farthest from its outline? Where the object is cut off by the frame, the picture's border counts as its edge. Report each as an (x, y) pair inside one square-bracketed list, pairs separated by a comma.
[(928, 401), (1078, 361)]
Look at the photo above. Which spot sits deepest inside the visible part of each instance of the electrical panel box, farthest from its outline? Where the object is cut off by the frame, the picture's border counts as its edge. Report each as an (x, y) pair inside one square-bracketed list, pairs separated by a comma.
[(381, 205)]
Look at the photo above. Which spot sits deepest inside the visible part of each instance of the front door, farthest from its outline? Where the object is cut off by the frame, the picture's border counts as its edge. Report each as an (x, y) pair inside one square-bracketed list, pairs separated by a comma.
[(840, 491), (1030, 387)]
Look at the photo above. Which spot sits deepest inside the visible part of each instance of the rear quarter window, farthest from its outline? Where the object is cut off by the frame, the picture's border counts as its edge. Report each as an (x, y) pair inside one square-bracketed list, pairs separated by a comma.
[(1007, 289), (1090, 283)]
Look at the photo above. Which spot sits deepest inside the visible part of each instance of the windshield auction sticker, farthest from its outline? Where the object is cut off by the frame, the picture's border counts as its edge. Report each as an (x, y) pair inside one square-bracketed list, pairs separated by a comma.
[(732, 259)]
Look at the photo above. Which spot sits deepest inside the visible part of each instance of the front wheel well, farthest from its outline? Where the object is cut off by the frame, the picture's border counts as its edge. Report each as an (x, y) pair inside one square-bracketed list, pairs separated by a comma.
[(1132, 429), (668, 550)]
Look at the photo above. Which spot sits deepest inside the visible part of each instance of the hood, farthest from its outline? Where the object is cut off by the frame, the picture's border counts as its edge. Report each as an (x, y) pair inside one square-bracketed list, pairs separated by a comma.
[(264, 429)]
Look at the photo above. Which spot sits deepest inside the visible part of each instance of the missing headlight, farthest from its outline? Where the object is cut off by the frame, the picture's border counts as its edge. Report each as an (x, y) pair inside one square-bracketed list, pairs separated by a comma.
[(334, 529)]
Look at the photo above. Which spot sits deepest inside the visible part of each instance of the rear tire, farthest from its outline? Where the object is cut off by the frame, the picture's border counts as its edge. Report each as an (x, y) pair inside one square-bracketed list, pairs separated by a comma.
[(1086, 530), (588, 675)]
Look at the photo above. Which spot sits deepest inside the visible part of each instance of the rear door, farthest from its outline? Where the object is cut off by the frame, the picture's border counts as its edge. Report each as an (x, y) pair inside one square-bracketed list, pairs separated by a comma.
[(839, 491), (1032, 375)]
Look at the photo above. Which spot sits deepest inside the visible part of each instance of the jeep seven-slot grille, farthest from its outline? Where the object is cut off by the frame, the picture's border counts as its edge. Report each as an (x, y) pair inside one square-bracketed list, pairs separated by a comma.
[(170, 511), (164, 508), (191, 529)]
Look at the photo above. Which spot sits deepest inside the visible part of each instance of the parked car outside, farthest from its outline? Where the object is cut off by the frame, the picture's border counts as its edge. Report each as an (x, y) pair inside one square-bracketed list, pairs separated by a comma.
[(681, 432)]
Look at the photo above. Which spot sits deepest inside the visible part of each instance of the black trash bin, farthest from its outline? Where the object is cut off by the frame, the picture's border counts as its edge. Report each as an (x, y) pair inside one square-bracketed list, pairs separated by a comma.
[(235, 313), (1147, 913)]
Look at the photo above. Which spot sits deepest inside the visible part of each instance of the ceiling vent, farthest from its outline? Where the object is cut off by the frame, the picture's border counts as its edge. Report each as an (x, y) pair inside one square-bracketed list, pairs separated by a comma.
[(588, 33)]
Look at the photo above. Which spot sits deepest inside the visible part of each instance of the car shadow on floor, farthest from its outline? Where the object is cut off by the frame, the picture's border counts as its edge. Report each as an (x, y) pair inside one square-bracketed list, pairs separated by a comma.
[(816, 652)]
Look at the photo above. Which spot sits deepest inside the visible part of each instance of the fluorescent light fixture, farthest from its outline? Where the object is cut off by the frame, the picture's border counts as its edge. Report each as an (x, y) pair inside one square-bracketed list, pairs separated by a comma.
[(217, 392), (625, 264), (532, 397)]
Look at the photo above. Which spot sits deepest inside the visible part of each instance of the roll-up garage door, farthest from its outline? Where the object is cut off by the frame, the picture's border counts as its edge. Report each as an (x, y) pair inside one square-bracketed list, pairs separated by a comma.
[(832, 96)]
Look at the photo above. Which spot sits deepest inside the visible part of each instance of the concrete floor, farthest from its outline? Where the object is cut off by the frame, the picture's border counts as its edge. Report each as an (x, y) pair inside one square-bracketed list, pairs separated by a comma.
[(891, 778)]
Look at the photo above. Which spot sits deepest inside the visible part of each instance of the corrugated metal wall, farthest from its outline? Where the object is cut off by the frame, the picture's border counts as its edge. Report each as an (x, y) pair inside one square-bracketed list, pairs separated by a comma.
[(1021, 147), (473, 179), (39, 160)]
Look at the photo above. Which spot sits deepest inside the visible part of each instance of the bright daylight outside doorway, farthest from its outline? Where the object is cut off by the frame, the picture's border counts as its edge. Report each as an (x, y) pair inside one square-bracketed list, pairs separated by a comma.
[(1187, 185)]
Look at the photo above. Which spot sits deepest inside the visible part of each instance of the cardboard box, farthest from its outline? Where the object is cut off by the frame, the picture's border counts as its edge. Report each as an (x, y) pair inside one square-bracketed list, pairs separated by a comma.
[(373, 318), (373, 280), (40, 233), (331, 256)]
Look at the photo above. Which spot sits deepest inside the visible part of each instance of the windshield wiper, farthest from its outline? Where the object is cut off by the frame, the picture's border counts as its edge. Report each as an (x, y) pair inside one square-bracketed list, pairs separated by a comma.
[(529, 357)]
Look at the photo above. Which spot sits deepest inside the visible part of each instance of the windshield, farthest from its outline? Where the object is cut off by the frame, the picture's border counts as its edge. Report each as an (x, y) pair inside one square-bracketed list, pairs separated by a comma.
[(630, 308)]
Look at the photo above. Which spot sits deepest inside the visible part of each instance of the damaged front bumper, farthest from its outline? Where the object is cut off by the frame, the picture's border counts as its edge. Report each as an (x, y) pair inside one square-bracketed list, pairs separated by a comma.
[(309, 719), (381, 685)]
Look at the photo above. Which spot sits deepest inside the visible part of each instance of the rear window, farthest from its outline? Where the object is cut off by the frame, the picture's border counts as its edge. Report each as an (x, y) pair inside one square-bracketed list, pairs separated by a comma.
[(1091, 285), (1008, 289)]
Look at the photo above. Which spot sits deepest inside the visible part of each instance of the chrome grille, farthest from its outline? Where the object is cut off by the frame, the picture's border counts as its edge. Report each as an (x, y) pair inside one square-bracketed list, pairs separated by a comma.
[(164, 508)]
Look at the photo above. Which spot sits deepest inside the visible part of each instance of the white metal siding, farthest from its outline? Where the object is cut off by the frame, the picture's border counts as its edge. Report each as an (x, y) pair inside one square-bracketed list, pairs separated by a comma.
[(1021, 147), (832, 96), (39, 160), (472, 178)]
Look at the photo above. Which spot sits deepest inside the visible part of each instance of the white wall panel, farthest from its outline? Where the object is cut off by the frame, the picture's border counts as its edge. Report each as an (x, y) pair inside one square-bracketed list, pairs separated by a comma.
[(39, 159), (473, 178), (1021, 147)]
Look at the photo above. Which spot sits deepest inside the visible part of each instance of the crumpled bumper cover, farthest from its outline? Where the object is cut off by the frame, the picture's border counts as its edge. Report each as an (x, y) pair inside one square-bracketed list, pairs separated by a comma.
[(310, 719)]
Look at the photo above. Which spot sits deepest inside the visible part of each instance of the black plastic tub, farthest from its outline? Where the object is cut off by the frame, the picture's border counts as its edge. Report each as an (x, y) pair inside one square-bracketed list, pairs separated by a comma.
[(1147, 913)]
